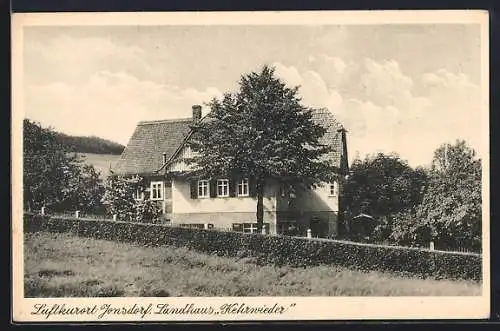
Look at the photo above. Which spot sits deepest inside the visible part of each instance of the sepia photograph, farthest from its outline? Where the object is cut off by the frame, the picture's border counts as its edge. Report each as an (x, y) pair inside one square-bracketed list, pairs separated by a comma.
[(220, 166)]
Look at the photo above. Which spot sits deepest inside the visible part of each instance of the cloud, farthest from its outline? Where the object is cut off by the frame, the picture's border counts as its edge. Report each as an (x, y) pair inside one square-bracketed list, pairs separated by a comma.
[(384, 115), (313, 89), (95, 86), (109, 104), (70, 59)]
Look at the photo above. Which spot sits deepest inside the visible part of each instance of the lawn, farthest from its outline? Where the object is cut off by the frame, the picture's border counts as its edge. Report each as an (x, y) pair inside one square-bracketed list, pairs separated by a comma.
[(101, 162), (62, 265)]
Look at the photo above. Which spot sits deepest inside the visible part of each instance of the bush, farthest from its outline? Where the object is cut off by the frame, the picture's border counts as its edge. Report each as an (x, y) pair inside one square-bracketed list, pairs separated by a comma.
[(292, 251), (147, 211)]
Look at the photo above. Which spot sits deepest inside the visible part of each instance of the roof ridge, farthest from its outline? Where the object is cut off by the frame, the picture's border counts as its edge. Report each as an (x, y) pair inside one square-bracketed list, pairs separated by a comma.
[(168, 120)]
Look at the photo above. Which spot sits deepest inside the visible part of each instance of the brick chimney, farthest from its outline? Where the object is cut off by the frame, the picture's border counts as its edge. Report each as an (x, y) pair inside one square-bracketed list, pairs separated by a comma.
[(196, 113)]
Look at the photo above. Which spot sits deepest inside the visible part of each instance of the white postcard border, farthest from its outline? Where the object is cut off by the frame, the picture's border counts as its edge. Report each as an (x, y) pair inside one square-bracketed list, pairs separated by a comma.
[(297, 308)]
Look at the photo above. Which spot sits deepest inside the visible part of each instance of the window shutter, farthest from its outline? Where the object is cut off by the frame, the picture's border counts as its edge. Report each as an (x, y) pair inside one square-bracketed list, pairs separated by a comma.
[(232, 187), (213, 188), (194, 189), (251, 187)]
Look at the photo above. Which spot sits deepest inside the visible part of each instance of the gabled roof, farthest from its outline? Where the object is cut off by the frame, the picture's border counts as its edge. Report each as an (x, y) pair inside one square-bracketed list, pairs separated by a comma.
[(144, 151), (332, 136)]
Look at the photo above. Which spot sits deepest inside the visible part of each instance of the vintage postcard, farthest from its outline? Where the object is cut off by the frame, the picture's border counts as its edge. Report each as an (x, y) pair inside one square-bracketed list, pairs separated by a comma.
[(229, 166)]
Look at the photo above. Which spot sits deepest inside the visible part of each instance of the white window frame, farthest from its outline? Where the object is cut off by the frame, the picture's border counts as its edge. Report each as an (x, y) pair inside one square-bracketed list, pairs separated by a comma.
[(224, 185), (243, 188), (332, 189), (249, 226), (138, 194), (158, 187), (204, 185)]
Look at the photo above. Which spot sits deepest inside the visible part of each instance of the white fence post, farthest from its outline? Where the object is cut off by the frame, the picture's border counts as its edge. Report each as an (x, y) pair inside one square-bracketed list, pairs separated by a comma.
[(77, 214), (42, 211), (431, 245), (114, 217), (309, 233)]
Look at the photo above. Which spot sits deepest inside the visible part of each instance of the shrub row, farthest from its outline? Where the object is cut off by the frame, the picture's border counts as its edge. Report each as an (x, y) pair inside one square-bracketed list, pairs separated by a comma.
[(278, 250)]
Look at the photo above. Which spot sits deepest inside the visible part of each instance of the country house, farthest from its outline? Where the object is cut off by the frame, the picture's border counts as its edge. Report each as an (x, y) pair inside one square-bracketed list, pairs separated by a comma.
[(157, 151)]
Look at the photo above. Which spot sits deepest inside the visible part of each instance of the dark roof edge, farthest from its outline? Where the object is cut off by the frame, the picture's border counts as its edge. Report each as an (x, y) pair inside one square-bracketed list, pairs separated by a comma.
[(170, 120), (181, 146)]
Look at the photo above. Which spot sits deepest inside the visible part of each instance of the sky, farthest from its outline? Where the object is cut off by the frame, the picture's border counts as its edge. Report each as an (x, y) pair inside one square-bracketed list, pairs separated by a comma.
[(402, 89)]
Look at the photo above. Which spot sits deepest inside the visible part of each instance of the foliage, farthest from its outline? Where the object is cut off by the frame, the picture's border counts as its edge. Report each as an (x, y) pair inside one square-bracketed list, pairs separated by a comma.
[(261, 132), (276, 250), (55, 177), (121, 200), (84, 191), (382, 185), (451, 208), (147, 211), (53, 267), (95, 145)]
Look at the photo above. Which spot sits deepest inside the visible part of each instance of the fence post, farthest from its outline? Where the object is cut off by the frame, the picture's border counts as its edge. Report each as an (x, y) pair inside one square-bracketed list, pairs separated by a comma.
[(42, 211), (309, 233), (114, 217), (431, 245), (77, 214)]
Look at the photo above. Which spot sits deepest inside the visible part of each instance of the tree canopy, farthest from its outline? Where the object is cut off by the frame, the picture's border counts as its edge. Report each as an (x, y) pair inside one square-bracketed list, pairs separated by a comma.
[(263, 132), (53, 176), (84, 144), (452, 205), (382, 184)]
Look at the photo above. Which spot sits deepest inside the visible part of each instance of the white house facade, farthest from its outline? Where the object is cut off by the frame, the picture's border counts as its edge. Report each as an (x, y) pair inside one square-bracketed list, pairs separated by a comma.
[(157, 152)]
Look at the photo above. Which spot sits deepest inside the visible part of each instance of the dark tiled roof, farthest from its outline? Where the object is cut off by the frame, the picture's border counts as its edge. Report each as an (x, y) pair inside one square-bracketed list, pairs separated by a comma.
[(332, 135), (144, 151)]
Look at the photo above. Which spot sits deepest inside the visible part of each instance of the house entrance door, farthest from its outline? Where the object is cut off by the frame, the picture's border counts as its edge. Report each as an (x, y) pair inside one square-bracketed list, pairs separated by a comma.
[(318, 228), (287, 227)]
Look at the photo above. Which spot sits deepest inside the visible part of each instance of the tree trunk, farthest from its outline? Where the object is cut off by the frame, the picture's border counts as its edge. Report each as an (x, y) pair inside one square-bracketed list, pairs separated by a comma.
[(260, 205)]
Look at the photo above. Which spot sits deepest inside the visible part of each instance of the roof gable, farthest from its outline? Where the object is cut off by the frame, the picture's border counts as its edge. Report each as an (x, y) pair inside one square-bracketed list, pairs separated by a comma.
[(144, 151), (332, 136)]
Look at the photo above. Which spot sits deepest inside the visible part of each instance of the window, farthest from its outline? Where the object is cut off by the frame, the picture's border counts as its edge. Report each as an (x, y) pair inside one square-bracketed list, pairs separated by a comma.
[(283, 191), (192, 226), (332, 189), (199, 226), (243, 188), (203, 189), (248, 227), (156, 191), (138, 194), (222, 188)]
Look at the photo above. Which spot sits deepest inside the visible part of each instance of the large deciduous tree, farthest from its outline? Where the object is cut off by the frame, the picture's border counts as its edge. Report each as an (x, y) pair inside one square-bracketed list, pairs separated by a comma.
[(382, 185), (451, 207), (262, 132), (53, 176)]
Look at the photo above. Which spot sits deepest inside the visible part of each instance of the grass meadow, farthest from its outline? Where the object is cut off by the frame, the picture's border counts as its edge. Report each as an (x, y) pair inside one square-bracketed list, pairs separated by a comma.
[(62, 265), (101, 162)]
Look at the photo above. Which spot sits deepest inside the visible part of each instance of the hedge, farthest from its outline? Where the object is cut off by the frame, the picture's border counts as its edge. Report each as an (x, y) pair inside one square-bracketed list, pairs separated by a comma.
[(277, 250)]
